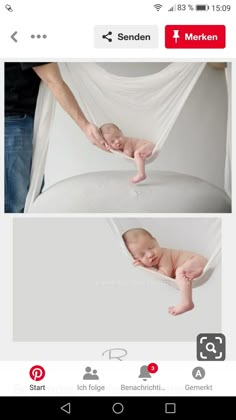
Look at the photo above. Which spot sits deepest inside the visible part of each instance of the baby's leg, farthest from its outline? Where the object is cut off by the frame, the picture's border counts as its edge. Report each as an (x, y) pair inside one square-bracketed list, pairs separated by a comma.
[(139, 156), (190, 270), (140, 163), (185, 287), (186, 304)]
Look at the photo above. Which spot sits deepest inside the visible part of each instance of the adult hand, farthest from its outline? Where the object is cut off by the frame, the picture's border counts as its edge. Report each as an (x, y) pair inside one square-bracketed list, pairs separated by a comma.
[(92, 132)]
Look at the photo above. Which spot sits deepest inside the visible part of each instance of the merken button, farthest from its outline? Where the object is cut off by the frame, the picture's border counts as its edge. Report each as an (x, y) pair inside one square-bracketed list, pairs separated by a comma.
[(195, 36)]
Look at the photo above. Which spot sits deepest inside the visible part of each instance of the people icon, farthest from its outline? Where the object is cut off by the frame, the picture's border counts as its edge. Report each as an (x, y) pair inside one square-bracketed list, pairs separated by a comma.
[(90, 375)]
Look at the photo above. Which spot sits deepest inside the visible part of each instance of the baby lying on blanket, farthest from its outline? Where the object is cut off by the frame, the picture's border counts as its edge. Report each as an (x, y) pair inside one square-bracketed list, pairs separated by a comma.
[(135, 148), (183, 266)]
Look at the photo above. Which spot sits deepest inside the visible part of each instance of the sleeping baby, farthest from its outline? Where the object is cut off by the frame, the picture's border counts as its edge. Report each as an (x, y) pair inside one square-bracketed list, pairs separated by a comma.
[(135, 148), (183, 266)]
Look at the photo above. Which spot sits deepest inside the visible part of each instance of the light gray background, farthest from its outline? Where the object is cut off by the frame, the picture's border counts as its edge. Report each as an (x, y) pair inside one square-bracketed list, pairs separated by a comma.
[(196, 145), (73, 282)]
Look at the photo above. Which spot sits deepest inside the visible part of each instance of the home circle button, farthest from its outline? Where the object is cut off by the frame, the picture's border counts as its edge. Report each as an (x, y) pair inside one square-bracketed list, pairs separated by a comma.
[(118, 408)]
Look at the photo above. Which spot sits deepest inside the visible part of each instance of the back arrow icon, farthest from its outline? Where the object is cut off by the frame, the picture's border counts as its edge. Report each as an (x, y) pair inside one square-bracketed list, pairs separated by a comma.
[(66, 408), (13, 36)]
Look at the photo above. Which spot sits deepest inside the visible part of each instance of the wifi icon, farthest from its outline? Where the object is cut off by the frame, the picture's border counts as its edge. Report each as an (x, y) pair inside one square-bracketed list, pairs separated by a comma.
[(158, 6)]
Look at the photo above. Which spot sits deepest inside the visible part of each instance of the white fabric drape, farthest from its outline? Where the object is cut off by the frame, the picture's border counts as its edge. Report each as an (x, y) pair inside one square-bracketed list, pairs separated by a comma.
[(208, 245), (145, 107), (155, 100), (228, 72), (42, 128)]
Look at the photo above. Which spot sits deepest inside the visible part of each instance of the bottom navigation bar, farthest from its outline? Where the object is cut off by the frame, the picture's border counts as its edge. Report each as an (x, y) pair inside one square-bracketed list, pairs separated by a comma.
[(109, 407)]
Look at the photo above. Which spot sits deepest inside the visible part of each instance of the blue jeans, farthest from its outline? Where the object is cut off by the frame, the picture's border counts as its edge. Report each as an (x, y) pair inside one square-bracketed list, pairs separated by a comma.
[(18, 158)]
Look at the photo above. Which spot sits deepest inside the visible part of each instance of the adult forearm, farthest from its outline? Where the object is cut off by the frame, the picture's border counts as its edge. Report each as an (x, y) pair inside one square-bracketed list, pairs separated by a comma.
[(51, 76), (66, 99)]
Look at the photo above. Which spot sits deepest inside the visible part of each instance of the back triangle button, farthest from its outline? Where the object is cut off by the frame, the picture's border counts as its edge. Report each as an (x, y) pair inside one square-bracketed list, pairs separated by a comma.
[(66, 408)]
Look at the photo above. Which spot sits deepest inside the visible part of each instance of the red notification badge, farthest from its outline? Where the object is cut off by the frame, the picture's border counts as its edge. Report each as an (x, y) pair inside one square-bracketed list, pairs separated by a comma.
[(152, 368)]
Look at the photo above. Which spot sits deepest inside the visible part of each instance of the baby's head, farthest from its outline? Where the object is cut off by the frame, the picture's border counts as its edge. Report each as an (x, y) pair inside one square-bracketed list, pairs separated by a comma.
[(142, 246), (111, 134)]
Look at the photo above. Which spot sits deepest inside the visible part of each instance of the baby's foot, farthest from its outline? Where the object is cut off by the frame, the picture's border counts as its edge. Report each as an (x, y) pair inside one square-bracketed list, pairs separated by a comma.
[(137, 178), (180, 309)]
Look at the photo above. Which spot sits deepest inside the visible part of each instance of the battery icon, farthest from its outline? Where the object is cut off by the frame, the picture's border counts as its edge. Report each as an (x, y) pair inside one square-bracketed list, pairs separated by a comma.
[(202, 7)]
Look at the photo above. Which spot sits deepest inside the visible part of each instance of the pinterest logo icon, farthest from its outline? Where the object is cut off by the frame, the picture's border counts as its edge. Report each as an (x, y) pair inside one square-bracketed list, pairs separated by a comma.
[(37, 373)]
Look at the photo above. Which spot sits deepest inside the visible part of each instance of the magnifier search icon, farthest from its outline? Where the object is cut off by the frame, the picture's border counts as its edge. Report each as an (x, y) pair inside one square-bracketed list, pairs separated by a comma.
[(211, 347)]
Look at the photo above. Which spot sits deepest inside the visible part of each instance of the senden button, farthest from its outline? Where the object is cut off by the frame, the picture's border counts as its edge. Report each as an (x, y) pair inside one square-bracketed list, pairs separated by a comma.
[(126, 36)]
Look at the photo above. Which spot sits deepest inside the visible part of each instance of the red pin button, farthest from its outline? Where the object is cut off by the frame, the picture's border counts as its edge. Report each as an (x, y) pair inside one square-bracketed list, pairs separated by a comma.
[(152, 368)]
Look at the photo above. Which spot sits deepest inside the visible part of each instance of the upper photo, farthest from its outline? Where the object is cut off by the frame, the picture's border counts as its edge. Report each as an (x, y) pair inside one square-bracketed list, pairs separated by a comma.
[(118, 137)]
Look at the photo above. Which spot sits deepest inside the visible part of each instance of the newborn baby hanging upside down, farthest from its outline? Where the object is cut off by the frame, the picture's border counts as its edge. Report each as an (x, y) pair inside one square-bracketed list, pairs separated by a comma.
[(183, 266), (135, 148)]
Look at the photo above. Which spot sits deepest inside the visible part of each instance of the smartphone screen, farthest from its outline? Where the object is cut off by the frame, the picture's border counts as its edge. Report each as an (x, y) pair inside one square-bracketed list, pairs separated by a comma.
[(117, 217)]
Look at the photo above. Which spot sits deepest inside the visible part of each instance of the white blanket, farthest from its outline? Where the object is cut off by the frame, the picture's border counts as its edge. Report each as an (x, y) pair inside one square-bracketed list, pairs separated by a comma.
[(111, 192)]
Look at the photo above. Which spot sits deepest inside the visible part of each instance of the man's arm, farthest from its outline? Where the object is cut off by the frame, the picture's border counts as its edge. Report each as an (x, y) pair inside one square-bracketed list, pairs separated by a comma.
[(51, 76)]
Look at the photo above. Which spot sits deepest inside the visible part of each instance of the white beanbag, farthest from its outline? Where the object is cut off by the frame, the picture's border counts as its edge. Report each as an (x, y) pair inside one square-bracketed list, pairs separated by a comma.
[(112, 192)]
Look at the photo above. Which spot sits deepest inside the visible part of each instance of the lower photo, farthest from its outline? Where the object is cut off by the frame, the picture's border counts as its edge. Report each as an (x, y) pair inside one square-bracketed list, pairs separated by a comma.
[(116, 280)]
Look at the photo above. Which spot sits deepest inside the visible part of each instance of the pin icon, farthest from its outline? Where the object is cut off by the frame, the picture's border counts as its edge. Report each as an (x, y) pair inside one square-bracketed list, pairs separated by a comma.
[(176, 35)]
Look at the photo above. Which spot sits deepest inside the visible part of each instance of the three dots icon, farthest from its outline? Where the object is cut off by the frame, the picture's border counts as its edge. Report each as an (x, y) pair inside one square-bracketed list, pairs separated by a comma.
[(38, 36)]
